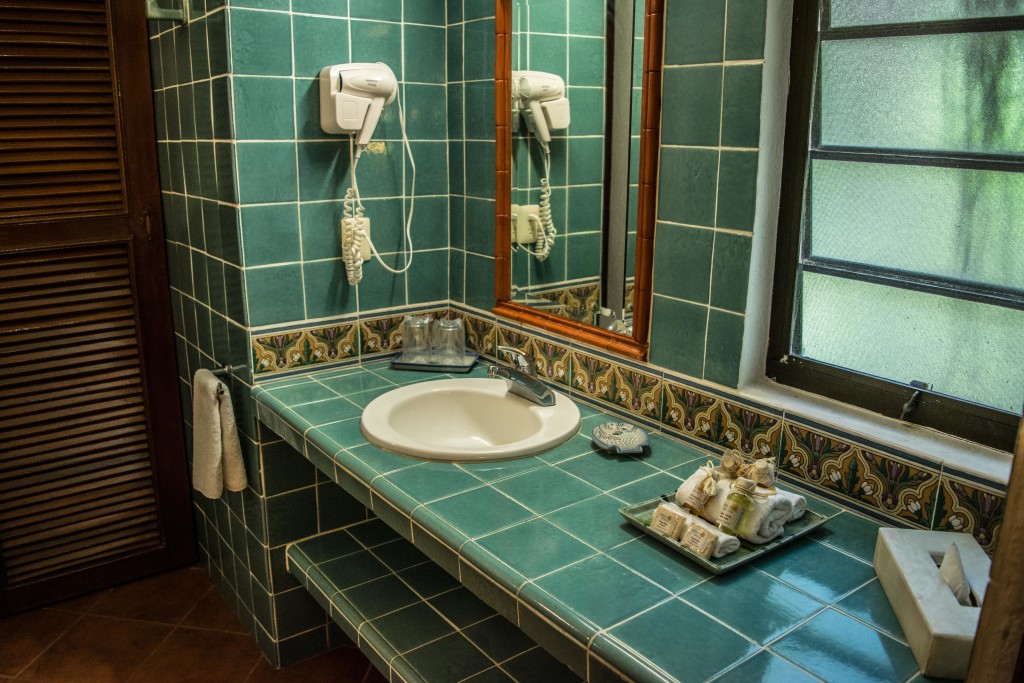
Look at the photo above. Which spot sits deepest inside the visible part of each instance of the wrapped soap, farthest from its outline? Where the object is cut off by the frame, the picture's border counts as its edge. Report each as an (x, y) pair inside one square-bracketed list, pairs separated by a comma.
[(669, 520)]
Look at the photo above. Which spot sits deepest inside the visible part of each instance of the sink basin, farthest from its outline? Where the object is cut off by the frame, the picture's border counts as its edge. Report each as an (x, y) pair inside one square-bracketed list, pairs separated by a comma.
[(468, 419)]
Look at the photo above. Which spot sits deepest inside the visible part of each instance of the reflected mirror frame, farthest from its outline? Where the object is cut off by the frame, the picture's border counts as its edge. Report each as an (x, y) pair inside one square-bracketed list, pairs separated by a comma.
[(650, 139)]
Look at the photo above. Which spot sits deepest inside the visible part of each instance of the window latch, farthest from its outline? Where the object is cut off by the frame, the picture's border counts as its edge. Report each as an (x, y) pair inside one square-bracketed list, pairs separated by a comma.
[(914, 399)]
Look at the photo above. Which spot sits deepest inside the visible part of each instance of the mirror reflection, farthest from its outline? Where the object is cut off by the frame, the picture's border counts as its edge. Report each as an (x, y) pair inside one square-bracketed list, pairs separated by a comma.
[(577, 68)]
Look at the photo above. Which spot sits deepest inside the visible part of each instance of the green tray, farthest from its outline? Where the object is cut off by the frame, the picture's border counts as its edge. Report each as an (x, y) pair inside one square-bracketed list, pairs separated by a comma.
[(640, 517)]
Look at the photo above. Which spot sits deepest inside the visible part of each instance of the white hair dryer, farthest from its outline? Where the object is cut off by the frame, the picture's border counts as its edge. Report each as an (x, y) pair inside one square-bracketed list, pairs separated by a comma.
[(543, 103), (352, 97)]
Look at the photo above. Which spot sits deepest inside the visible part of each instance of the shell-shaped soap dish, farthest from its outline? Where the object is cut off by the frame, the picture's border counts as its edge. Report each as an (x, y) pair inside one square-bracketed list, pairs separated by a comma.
[(620, 438)]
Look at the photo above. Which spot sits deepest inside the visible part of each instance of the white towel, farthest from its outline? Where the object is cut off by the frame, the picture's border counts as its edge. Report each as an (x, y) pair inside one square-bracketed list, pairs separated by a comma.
[(799, 504), (217, 455), (764, 522)]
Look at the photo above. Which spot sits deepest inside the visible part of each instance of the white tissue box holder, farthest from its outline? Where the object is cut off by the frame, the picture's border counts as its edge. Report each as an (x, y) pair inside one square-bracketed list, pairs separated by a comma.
[(938, 628)]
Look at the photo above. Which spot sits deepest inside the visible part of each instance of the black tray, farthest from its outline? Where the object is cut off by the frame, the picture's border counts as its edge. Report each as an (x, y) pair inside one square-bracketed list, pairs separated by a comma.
[(468, 361)]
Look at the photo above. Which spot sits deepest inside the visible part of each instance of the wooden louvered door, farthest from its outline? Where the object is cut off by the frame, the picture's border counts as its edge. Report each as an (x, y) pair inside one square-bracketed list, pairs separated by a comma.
[(93, 476)]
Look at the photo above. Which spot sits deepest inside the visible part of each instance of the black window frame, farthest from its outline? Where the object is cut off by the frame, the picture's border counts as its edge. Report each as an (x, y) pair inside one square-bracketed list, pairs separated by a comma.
[(972, 421)]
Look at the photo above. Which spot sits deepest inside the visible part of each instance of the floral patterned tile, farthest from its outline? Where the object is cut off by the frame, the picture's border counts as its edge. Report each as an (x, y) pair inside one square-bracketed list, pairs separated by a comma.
[(636, 392), (892, 486), (381, 335), (290, 350), (688, 411), (480, 334), (591, 376), (752, 431), (965, 507), (506, 336), (554, 361)]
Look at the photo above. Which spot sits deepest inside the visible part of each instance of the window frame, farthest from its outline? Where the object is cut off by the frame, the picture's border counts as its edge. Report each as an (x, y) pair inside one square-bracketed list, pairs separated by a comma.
[(975, 422)]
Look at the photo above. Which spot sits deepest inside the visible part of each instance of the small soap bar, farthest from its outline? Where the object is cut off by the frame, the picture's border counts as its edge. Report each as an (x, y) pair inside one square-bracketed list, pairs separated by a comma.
[(699, 540), (669, 520), (620, 438)]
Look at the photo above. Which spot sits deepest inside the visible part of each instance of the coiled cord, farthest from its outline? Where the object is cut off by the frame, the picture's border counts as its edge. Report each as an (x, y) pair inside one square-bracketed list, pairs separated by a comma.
[(546, 239), (352, 239)]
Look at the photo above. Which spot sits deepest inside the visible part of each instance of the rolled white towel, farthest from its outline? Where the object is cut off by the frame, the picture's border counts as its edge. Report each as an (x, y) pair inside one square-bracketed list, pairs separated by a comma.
[(764, 521), (798, 501)]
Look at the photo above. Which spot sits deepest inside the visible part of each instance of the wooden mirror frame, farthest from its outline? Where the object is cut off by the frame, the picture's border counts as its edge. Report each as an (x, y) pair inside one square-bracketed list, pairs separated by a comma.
[(650, 139)]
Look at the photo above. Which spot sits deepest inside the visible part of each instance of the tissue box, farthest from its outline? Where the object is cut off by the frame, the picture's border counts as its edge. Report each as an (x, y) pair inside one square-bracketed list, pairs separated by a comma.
[(939, 629)]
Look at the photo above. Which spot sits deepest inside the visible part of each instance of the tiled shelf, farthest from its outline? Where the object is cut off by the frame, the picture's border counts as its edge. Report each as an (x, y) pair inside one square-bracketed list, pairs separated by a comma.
[(413, 621), (540, 541)]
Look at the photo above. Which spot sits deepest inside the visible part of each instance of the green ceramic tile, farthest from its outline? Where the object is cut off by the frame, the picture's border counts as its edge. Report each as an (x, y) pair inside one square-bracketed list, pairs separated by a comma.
[(686, 186), (270, 234), (584, 255), (817, 570), (353, 569), (256, 184), (551, 549), (697, 30), (741, 106), (425, 13), (746, 29), (656, 633), (334, 8), (204, 111), (428, 277), (354, 382), (606, 471), (478, 38), (291, 516), (586, 161), (264, 109), (284, 469), (454, 54), (662, 483), (324, 412), (427, 43), (479, 281), (766, 668), (693, 96), (335, 507), (388, 10), (724, 347), (296, 612), (319, 42), (682, 262), (659, 564), (217, 41), (586, 61), (378, 42), (548, 16), (579, 520), (835, 647), (399, 554), (500, 469), (319, 229), (598, 593), (451, 658), (727, 597), (426, 114), (851, 533), (274, 294), (538, 665), (261, 43), (327, 290), (428, 580), (544, 490), (480, 511), (380, 171), (462, 608), (380, 289), (677, 335), (588, 111), (870, 605), (586, 18), (479, 110), (477, 9), (737, 190), (499, 638), (431, 168), (432, 481), (480, 169), (730, 272), (584, 212)]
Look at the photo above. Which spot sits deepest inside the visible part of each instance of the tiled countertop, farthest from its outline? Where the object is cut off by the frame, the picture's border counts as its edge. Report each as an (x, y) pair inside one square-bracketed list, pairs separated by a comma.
[(540, 539)]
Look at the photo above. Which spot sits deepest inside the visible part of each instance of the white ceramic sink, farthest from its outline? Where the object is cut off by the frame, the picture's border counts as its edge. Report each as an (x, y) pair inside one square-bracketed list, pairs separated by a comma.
[(466, 419)]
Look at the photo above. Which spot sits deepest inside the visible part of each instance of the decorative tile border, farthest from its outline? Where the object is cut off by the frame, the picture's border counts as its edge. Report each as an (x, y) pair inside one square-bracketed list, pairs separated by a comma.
[(899, 487)]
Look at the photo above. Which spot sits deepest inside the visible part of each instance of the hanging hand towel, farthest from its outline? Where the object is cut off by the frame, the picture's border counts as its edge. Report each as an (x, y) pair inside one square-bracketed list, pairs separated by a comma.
[(217, 455)]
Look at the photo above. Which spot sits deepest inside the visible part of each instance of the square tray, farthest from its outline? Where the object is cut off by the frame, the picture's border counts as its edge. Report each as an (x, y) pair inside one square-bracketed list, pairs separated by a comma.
[(640, 517), (468, 360)]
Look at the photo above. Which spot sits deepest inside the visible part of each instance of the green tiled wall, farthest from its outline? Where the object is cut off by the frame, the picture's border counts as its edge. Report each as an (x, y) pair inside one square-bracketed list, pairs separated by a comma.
[(714, 54)]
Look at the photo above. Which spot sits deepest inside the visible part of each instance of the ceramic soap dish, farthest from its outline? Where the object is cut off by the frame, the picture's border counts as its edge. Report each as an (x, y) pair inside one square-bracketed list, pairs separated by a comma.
[(620, 438)]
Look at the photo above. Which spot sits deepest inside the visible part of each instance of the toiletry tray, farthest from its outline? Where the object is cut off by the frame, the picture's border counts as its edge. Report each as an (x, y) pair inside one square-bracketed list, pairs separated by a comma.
[(640, 517), (468, 360)]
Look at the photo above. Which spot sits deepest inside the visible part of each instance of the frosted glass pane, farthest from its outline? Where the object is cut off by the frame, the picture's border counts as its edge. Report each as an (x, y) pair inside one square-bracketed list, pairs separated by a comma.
[(943, 92), (968, 350), (879, 12), (954, 223)]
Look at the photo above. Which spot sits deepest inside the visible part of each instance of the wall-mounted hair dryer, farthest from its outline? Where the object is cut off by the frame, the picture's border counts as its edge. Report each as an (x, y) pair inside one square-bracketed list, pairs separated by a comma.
[(352, 97), (543, 103)]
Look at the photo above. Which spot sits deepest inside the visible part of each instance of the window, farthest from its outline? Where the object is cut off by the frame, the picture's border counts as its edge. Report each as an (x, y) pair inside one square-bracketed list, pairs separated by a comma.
[(899, 284)]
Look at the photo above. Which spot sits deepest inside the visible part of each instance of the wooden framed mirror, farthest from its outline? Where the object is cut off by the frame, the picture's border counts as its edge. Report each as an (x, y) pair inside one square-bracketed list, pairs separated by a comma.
[(636, 345)]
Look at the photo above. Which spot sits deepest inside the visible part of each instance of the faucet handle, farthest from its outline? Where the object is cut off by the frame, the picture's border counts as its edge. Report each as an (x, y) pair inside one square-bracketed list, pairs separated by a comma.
[(522, 362)]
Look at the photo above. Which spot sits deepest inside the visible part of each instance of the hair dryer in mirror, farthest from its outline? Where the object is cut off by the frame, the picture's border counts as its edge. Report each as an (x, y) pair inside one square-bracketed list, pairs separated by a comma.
[(352, 97), (543, 103)]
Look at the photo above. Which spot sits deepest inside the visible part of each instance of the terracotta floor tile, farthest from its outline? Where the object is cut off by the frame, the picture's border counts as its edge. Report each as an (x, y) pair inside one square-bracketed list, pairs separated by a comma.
[(344, 665), (97, 650), (82, 603), (192, 655), (24, 636), (212, 612), (165, 598)]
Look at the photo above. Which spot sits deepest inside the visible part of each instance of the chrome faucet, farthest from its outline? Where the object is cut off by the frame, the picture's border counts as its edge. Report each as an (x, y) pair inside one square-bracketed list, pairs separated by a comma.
[(522, 380)]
